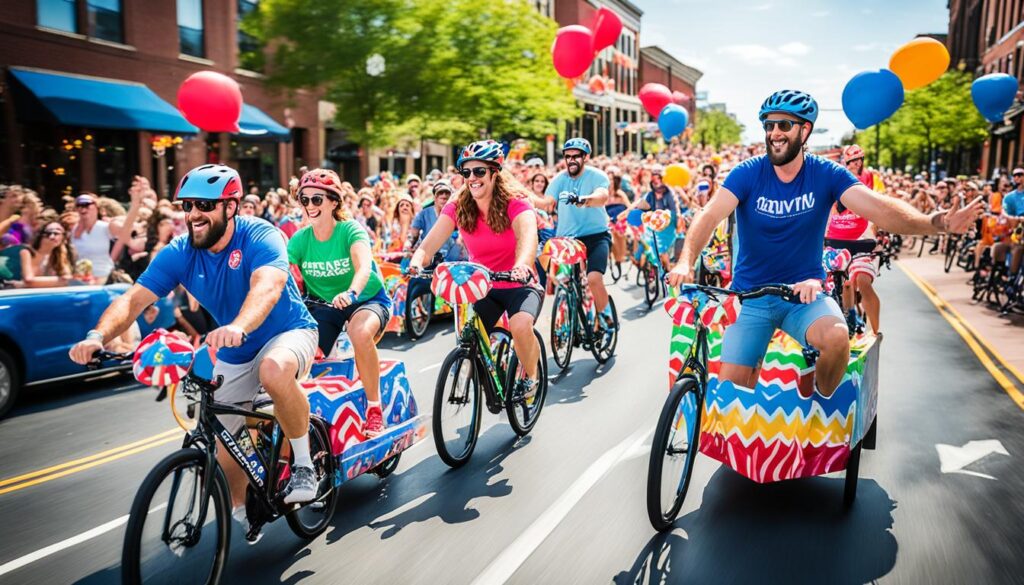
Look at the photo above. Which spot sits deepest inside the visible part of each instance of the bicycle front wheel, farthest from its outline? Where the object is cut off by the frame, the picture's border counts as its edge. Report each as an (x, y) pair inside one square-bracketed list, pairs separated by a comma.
[(562, 327), (673, 452), (456, 417), (169, 539), (604, 346), (523, 411), (651, 284)]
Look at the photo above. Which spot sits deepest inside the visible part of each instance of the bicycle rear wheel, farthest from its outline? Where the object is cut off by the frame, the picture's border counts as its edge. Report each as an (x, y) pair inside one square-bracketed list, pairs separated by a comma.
[(562, 329), (651, 284), (673, 452), (312, 518), (523, 413), (615, 270), (167, 539), (418, 311), (456, 417)]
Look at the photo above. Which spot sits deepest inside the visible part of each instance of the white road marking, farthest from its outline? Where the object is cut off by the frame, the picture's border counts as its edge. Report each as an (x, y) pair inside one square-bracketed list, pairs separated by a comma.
[(506, 564), (431, 367), (953, 459), (68, 543)]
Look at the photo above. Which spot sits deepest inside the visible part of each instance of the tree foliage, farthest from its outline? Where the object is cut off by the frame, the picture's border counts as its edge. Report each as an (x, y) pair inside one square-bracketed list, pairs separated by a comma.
[(937, 117), (453, 70), (716, 128)]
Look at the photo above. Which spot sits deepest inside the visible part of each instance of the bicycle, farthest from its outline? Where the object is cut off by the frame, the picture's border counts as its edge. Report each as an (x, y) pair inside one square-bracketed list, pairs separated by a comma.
[(736, 418), (191, 482), (574, 318), (478, 366), (837, 263), (650, 272)]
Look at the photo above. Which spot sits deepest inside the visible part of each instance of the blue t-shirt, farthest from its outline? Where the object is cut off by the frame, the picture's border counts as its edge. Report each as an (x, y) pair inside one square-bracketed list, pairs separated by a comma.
[(220, 282), (781, 226), (1013, 203), (576, 222), (668, 203)]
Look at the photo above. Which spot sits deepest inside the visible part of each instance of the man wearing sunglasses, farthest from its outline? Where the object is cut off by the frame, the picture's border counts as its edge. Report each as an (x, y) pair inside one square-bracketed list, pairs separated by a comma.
[(237, 268), (1013, 216), (586, 221), (782, 201)]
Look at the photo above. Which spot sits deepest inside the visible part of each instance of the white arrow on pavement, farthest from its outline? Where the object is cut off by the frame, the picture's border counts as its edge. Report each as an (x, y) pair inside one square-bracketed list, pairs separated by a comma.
[(953, 459)]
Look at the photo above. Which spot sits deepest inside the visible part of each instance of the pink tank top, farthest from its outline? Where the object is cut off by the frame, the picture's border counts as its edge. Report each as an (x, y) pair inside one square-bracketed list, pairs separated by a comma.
[(846, 225)]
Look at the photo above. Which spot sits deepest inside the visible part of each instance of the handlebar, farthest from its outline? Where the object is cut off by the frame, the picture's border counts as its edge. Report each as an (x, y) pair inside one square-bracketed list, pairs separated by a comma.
[(574, 199), (108, 356), (784, 291), (499, 276)]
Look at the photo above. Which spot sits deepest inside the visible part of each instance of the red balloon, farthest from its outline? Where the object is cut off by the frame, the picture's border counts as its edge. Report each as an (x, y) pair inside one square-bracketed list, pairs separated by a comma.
[(573, 51), (607, 28), (679, 98), (654, 97), (211, 101)]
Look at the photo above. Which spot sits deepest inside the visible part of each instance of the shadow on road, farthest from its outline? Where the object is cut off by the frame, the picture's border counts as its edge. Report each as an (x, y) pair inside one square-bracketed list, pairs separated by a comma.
[(568, 386), (790, 532), (57, 395), (439, 325)]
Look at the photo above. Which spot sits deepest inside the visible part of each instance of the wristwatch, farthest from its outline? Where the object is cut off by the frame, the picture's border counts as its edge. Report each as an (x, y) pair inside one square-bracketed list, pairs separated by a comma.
[(94, 334)]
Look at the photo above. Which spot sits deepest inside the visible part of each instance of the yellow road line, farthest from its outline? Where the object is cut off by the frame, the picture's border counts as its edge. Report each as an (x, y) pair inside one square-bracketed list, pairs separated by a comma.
[(108, 455), (962, 328)]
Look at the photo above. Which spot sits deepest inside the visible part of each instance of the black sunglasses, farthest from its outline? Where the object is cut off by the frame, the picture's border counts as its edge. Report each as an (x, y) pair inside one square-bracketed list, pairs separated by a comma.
[(50, 233), (1018, 174), (316, 200), (478, 172), (784, 125), (203, 205), (83, 205), (573, 156)]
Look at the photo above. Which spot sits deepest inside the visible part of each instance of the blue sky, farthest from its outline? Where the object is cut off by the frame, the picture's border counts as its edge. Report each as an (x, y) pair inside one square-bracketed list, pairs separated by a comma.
[(749, 48)]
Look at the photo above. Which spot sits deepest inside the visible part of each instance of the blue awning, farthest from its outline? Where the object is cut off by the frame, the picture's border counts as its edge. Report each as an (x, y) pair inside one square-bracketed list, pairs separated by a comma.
[(256, 123), (102, 103)]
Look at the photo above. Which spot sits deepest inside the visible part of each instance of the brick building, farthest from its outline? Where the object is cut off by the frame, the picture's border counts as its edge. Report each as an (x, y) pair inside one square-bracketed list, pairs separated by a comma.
[(59, 138), (987, 36), (657, 66)]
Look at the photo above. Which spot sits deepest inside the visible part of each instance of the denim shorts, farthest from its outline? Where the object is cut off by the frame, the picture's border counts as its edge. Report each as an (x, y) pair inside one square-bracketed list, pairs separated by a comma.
[(747, 339)]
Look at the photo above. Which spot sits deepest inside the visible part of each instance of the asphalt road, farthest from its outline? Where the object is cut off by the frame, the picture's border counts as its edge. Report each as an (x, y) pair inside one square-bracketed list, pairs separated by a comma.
[(566, 504)]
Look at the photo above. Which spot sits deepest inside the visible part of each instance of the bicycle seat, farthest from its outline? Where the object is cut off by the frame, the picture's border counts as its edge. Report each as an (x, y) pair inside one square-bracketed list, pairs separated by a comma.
[(461, 282), (836, 260), (162, 359), (657, 220), (566, 251), (263, 403)]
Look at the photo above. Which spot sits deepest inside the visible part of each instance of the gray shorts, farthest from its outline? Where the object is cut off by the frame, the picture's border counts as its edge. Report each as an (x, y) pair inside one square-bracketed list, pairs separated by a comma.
[(242, 381)]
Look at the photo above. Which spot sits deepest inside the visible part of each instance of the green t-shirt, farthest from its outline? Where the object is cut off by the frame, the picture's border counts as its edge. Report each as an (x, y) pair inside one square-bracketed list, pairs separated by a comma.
[(327, 267)]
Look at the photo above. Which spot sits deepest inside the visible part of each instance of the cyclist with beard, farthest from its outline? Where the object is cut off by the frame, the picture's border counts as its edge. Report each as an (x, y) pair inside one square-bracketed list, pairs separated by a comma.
[(782, 201), (237, 268), (587, 221)]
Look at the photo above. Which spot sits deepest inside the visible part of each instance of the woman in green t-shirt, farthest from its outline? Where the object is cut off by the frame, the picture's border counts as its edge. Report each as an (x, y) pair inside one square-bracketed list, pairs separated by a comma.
[(333, 255)]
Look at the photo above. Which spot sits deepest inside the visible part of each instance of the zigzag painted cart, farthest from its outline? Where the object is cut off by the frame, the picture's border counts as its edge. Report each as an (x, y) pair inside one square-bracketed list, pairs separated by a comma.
[(409, 315), (779, 430)]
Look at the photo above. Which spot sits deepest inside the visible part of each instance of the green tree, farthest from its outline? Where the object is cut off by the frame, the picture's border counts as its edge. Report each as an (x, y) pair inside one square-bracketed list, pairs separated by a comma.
[(451, 69), (937, 117), (715, 128)]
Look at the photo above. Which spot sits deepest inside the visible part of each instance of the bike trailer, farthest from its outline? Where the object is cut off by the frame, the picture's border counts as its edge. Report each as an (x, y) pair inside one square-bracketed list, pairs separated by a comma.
[(772, 432)]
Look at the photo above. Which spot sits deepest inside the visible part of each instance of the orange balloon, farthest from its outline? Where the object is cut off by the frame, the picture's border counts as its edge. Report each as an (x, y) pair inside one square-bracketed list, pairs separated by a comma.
[(677, 175), (919, 62)]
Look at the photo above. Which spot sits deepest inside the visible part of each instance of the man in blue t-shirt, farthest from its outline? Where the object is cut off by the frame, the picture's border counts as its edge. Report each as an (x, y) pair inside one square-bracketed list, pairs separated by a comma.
[(782, 202), (1013, 211), (587, 220), (237, 268)]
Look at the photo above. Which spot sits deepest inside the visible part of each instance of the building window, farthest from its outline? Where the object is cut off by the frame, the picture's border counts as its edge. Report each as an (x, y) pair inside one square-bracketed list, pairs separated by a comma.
[(57, 14), (105, 20), (250, 49), (190, 27)]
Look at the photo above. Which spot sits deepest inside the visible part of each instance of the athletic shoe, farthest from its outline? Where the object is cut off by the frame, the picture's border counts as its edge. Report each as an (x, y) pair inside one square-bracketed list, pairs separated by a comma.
[(240, 516), (301, 486), (374, 424)]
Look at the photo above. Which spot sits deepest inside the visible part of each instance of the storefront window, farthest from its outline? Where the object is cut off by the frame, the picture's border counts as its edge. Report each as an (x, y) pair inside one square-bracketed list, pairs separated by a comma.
[(250, 49), (105, 20), (255, 160), (190, 27), (57, 14), (117, 161)]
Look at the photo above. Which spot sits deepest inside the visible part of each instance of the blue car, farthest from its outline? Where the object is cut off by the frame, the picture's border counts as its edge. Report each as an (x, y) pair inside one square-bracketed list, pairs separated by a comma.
[(39, 326)]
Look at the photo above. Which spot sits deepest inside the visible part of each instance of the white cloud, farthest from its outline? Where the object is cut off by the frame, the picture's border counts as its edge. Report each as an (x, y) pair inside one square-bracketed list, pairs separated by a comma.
[(757, 55), (762, 7), (794, 48), (820, 13), (863, 47)]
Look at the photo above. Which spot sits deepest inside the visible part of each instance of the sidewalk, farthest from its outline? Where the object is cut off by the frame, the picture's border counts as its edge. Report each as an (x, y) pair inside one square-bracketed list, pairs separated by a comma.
[(1004, 335)]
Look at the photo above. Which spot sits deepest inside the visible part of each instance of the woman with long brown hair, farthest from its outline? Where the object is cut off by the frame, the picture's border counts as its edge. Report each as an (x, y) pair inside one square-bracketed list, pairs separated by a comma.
[(51, 259), (499, 229)]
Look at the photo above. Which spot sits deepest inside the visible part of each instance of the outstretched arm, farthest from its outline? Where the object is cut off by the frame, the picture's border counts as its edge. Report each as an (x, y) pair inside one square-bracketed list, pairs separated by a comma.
[(115, 320), (895, 215)]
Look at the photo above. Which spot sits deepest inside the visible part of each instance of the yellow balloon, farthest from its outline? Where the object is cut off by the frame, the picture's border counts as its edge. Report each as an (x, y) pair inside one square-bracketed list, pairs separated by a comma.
[(677, 175), (919, 62)]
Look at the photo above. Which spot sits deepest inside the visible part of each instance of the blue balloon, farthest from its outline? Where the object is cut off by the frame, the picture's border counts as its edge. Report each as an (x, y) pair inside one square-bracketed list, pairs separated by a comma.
[(672, 120), (993, 94), (870, 97)]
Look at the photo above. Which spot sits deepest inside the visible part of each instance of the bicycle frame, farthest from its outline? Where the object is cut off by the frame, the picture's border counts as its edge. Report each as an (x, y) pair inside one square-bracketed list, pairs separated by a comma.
[(576, 296), (473, 336)]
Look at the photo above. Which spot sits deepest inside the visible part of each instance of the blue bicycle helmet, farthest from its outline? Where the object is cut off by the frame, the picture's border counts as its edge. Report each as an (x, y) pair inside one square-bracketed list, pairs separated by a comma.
[(210, 182), (487, 151), (577, 144), (790, 101)]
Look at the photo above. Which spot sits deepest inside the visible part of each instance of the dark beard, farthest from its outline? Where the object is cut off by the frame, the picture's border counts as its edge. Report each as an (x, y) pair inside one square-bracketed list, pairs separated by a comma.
[(787, 156), (213, 233), (579, 170)]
